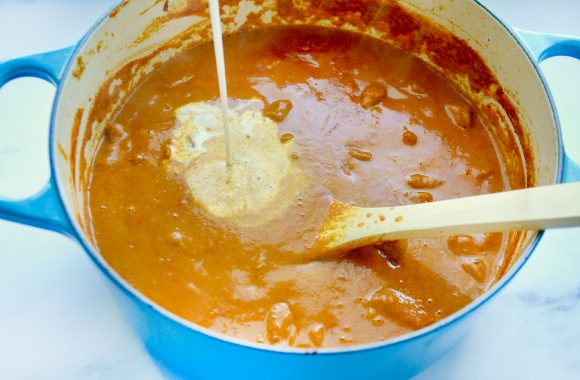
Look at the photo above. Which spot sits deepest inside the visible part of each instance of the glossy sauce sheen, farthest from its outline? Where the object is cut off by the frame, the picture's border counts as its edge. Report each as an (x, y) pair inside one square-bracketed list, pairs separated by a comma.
[(370, 125)]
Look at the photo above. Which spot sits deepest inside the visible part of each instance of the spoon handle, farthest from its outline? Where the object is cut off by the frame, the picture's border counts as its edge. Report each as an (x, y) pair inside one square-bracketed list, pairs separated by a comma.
[(536, 208)]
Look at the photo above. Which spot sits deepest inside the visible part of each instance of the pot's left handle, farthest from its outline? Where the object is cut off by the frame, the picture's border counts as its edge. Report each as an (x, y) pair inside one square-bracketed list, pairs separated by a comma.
[(544, 46), (45, 209)]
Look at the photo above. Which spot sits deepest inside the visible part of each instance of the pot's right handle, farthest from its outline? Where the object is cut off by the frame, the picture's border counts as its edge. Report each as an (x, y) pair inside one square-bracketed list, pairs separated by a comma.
[(544, 46), (45, 209)]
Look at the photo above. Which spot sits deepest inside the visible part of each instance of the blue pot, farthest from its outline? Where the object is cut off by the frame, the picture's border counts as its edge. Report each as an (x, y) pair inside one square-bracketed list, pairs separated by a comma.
[(190, 350)]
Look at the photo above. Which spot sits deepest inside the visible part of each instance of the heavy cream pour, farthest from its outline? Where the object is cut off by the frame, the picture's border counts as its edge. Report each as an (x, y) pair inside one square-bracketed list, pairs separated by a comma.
[(218, 49), (232, 161), (263, 181)]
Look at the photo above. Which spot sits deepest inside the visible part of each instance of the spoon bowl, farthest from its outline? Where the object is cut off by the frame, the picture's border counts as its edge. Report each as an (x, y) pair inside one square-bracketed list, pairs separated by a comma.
[(347, 227)]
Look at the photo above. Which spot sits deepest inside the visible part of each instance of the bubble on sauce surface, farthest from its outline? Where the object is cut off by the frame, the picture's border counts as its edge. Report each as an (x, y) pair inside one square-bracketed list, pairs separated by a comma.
[(378, 320), (176, 238)]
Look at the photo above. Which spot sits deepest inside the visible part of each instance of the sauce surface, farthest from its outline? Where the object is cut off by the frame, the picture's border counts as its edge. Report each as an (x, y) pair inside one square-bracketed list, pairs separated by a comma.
[(370, 126)]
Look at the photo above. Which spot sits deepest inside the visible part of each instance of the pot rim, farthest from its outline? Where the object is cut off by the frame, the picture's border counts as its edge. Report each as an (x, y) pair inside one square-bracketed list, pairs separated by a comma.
[(135, 294)]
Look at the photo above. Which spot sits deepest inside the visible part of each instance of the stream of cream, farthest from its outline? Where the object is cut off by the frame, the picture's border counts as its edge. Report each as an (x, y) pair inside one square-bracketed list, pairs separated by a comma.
[(218, 48)]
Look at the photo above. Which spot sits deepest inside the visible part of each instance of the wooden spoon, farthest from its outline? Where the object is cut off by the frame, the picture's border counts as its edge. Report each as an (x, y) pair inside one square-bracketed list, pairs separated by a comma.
[(347, 227)]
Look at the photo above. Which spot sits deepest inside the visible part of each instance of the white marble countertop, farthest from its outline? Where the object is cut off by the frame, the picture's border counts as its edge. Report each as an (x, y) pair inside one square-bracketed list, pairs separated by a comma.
[(59, 321)]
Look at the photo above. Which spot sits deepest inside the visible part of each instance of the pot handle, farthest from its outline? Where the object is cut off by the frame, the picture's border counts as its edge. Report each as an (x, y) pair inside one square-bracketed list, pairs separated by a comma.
[(44, 209), (543, 46)]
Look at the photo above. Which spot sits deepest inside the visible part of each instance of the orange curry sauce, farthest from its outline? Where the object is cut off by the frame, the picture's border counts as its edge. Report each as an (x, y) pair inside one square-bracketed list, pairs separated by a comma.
[(371, 126)]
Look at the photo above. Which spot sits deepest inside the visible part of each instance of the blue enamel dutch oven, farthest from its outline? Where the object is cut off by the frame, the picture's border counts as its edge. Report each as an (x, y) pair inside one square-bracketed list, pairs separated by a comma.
[(195, 352)]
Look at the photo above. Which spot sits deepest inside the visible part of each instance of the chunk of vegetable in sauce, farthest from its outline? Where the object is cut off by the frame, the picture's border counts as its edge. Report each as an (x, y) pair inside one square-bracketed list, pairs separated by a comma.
[(421, 197), (409, 138), (421, 181), (360, 154), (372, 95), (476, 268), (278, 110), (460, 115)]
